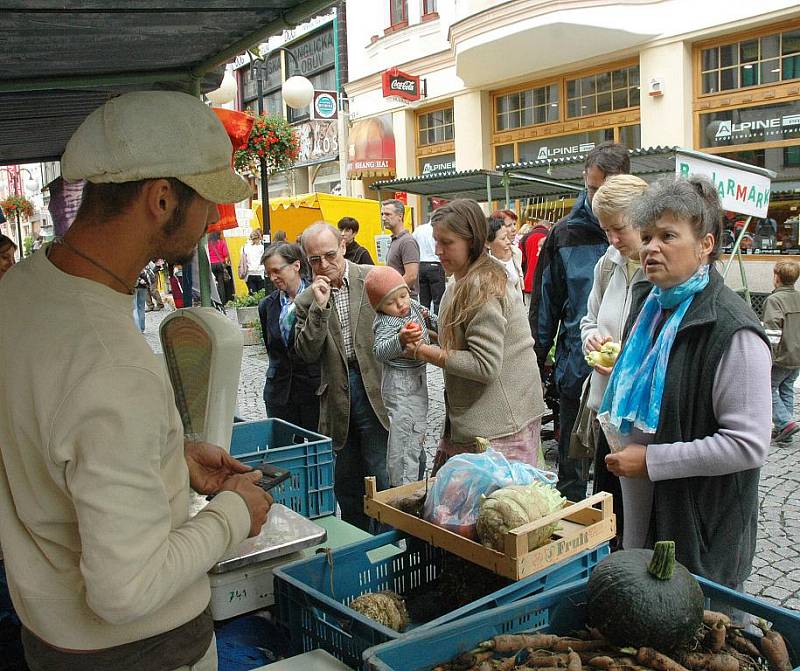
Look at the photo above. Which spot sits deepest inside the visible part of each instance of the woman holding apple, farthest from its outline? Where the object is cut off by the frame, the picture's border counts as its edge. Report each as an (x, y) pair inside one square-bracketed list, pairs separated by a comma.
[(687, 406), (607, 310), (491, 379)]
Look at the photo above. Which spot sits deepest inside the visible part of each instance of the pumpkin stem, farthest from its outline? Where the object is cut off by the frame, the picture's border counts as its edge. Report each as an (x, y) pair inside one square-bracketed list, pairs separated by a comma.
[(662, 564)]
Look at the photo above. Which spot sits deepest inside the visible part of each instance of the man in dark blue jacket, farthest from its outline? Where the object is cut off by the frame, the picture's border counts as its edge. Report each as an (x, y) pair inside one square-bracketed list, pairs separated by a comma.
[(564, 276)]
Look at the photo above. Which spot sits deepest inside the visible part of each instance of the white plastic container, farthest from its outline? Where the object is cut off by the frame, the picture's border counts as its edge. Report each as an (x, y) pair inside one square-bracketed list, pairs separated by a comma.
[(316, 660), (245, 589)]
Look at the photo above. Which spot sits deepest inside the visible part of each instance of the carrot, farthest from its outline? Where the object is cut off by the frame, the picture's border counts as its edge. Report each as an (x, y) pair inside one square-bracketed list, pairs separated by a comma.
[(658, 661), (711, 662), (546, 660), (602, 662), (574, 661), (715, 637), (711, 617), (743, 645), (774, 648), (515, 642), (506, 664), (564, 645), (473, 658)]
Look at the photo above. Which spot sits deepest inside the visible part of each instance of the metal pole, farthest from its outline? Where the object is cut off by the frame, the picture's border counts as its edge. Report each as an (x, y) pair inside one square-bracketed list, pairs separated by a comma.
[(262, 163), (19, 236)]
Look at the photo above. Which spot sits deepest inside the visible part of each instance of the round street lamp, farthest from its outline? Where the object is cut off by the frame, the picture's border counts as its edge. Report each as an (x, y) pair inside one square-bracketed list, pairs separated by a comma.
[(226, 93), (297, 91)]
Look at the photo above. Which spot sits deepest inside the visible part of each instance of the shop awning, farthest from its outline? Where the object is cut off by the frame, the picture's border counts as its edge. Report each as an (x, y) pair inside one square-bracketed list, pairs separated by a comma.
[(480, 185), (63, 58), (788, 188), (648, 163)]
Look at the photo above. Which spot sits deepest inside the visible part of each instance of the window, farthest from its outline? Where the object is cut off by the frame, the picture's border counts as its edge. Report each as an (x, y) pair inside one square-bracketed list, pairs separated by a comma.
[(398, 12), (751, 62), (527, 108), (603, 92), (435, 127), (428, 7)]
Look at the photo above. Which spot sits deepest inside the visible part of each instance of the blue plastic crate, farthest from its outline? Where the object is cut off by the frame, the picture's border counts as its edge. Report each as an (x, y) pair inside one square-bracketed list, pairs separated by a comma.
[(308, 455), (558, 611), (316, 618)]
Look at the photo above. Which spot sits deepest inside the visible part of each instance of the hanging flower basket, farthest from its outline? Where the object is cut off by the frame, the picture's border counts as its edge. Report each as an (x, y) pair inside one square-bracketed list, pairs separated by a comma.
[(272, 139), (17, 206)]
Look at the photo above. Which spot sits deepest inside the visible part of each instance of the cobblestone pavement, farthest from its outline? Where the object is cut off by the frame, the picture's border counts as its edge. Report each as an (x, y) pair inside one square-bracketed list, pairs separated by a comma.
[(776, 569)]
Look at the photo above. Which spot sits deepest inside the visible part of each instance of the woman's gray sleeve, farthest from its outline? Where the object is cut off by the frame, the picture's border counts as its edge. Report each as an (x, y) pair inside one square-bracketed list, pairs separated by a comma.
[(742, 401)]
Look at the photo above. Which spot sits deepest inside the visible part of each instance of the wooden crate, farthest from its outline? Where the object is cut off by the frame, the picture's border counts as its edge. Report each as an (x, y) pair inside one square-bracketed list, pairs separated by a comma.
[(582, 527)]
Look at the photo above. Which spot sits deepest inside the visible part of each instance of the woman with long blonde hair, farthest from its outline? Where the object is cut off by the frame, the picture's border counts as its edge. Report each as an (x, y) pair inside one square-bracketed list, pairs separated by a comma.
[(492, 384)]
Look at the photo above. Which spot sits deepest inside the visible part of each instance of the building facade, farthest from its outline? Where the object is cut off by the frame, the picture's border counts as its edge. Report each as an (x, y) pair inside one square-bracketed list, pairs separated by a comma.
[(520, 80)]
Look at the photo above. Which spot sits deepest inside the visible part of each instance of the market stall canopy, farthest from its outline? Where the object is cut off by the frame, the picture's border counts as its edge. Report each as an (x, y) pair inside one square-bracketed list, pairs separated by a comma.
[(480, 185), (292, 214), (63, 58)]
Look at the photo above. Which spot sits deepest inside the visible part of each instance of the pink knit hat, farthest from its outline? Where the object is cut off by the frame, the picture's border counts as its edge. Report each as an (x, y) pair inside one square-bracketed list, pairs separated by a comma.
[(382, 282)]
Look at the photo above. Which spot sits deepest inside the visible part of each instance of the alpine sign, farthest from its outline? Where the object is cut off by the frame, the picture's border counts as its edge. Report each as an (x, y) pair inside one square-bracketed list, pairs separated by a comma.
[(401, 85)]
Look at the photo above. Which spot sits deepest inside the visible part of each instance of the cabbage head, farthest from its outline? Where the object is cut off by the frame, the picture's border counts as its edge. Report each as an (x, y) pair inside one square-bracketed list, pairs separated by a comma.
[(512, 507)]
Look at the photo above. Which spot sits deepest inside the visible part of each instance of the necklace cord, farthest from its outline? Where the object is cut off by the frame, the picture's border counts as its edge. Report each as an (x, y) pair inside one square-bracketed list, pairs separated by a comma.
[(111, 273)]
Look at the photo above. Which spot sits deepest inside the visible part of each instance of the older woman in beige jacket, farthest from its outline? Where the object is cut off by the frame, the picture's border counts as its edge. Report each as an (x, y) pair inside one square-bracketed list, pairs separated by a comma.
[(492, 384)]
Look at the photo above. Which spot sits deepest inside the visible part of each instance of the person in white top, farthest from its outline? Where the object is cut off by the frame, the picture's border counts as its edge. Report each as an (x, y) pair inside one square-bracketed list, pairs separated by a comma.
[(252, 252), (500, 248), (105, 564), (431, 273), (509, 218)]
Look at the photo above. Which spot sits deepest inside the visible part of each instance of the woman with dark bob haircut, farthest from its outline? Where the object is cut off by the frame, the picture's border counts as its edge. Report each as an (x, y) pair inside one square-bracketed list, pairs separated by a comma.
[(687, 408), (291, 385)]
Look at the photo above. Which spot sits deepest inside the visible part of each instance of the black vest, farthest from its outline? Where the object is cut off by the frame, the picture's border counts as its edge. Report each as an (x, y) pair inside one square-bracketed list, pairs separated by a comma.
[(713, 519)]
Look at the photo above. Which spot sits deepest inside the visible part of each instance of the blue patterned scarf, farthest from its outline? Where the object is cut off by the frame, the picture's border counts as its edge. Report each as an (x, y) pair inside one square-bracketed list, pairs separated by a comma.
[(634, 392), (287, 317)]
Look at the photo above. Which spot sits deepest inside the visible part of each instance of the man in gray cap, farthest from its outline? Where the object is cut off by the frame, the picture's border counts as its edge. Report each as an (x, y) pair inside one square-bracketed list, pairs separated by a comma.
[(106, 568)]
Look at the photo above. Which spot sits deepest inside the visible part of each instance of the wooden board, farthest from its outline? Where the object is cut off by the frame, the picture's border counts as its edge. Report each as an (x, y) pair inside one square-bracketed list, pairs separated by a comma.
[(583, 526)]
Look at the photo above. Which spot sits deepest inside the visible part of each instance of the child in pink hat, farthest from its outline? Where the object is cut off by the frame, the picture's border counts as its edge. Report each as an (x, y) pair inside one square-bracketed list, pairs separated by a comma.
[(401, 325)]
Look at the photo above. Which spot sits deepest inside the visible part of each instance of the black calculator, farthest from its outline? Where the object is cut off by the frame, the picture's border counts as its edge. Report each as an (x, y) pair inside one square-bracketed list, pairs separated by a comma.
[(271, 476)]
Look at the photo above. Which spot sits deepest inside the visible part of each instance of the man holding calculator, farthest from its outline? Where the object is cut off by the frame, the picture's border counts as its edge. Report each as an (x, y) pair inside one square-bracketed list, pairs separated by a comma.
[(106, 568)]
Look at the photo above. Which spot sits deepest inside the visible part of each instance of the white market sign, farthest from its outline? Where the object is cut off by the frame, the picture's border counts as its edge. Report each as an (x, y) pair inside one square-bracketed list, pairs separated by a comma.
[(740, 191)]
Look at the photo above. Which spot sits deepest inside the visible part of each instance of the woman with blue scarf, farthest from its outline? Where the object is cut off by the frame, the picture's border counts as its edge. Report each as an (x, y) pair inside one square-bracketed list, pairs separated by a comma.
[(687, 407), (291, 385)]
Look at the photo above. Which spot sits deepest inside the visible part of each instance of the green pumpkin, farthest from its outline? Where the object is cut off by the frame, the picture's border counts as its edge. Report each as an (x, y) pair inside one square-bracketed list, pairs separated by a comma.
[(645, 598)]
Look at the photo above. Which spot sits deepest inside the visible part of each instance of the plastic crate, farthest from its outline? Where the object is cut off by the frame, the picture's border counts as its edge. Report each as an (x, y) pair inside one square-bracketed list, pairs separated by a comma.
[(316, 618), (558, 611), (308, 455)]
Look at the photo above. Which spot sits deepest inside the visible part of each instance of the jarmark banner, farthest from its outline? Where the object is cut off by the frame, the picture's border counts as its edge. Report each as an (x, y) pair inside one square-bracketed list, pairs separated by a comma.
[(739, 190)]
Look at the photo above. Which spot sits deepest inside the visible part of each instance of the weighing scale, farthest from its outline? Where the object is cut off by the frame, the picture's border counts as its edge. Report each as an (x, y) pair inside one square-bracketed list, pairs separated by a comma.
[(203, 353)]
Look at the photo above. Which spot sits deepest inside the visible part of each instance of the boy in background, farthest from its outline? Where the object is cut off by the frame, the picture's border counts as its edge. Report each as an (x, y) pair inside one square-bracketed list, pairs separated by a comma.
[(782, 312)]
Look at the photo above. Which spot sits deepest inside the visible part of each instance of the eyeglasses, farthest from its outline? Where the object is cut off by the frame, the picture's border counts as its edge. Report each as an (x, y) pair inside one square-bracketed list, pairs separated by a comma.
[(330, 257), (276, 271)]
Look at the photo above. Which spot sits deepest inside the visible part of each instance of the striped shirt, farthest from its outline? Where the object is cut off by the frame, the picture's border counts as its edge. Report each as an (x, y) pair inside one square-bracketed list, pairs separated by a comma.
[(341, 300), (387, 336)]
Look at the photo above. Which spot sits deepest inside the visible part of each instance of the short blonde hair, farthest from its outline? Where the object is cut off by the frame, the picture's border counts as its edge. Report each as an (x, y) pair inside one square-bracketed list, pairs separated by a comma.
[(787, 272), (616, 194)]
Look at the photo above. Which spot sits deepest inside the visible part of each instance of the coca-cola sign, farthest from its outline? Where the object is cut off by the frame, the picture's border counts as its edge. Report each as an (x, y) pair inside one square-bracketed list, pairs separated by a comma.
[(400, 84)]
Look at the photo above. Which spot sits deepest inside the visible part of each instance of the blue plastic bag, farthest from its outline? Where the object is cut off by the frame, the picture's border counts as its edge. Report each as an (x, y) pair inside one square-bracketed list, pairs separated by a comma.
[(453, 501)]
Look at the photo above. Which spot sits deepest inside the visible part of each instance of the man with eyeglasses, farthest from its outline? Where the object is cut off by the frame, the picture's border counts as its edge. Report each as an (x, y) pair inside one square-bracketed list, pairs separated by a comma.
[(561, 287), (334, 327)]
